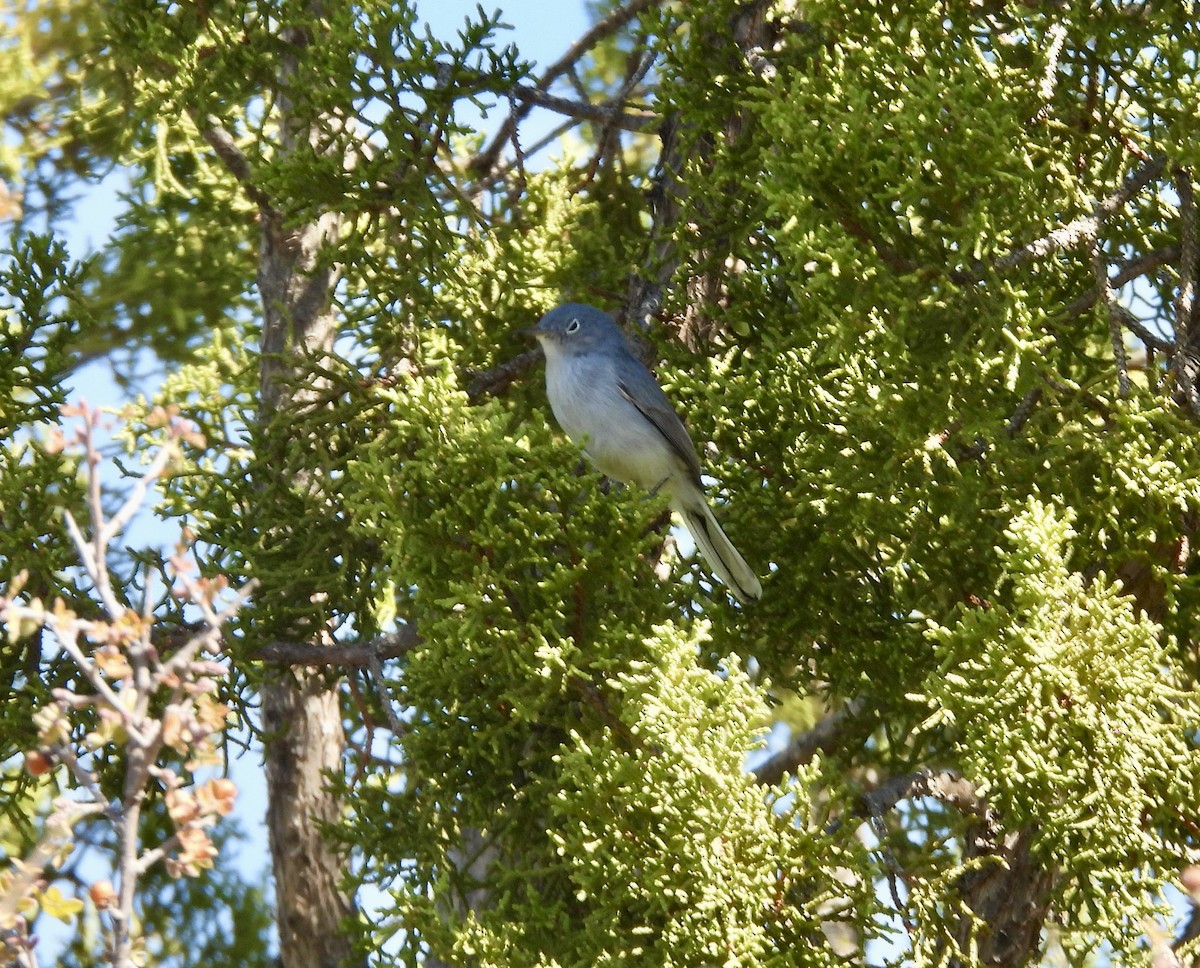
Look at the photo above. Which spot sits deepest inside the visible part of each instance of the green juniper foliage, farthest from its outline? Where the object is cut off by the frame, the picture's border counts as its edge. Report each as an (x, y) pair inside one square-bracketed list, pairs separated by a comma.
[(1067, 699), (598, 742), (42, 304), (880, 230)]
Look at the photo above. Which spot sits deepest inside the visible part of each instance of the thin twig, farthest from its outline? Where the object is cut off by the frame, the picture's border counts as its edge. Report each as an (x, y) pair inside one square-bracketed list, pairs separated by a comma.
[(608, 113), (86, 558), (486, 160), (86, 779), (501, 171), (891, 868), (1024, 409), (151, 857), (1133, 269), (1184, 362), (93, 559), (92, 555), (1058, 35), (137, 494), (1185, 299), (496, 380), (608, 143), (1012, 426), (1108, 296), (385, 694), (1127, 319), (66, 639)]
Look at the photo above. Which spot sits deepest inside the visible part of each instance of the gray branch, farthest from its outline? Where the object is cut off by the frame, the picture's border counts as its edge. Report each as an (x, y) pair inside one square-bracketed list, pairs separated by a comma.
[(234, 160), (499, 378), (1087, 227), (1185, 359), (1114, 311), (1134, 269), (949, 787), (606, 114), (486, 160), (824, 737), (350, 655)]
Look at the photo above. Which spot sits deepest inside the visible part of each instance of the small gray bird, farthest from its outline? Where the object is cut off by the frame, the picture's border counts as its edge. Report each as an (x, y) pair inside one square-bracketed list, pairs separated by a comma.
[(611, 405)]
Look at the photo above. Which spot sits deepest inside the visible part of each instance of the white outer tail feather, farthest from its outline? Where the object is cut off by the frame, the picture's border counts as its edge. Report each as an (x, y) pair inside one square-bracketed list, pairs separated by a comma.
[(724, 559)]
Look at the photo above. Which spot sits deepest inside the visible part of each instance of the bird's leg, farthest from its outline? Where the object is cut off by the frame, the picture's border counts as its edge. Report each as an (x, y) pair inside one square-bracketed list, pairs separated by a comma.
[(657, 487)]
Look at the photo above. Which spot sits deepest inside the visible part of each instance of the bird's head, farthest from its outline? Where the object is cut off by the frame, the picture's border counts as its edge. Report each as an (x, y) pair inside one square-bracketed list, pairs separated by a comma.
[(575, 328)]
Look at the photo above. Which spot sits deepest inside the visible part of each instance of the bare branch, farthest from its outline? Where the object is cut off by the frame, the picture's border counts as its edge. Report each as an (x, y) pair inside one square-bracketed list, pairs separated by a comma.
[(1116, 335), (392, 645), (234, 160), (1184, 360), (1020, 416), (375, 662), (501, 171), (647, 287), (93, 554), (1058, 35), (499, 378), (66, 634), (1127, 319), (87, 558), (486, 160), (137, 494), (1009, 896), (608, 114), (1185, 300), (1133, 269), (123, 674), (822, 738), (945, 785), (1022, 413), (1085, 228), (602, 28), (608, 144), (88, 781)]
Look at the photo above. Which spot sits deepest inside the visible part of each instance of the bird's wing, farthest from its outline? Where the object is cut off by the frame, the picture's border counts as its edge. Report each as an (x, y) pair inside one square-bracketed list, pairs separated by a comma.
[(636, 384)]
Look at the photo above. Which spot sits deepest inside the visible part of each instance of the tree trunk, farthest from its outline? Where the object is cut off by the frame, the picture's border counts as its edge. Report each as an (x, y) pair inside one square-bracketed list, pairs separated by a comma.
[(301, 716), (1011, 898), (303, 725)]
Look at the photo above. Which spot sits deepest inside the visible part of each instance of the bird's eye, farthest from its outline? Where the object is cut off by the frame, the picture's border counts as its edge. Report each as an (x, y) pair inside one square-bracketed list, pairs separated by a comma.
[(573, 326)]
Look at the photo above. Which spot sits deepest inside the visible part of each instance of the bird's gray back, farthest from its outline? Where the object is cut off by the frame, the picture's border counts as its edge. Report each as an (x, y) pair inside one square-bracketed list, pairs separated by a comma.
[(643, 391)]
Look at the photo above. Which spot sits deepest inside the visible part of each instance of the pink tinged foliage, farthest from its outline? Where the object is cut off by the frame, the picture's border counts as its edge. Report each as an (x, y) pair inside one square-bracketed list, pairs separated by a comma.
[(153, 698)]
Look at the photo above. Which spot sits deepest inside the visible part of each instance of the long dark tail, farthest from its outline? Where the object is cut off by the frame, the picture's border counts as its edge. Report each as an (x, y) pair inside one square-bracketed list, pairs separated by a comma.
[(724, 559)]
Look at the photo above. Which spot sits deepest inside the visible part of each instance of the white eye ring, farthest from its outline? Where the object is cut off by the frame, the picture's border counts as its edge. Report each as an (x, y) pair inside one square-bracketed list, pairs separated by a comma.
[(573, 326)]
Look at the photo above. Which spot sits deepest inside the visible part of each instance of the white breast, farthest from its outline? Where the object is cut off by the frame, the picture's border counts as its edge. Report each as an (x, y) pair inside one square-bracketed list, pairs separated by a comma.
[(617, 437)]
